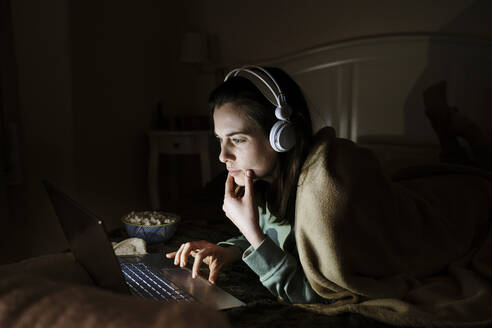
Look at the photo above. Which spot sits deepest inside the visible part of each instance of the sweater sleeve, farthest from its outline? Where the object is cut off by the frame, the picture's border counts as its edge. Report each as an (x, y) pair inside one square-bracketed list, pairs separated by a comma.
[(281, 273), (241, 242)]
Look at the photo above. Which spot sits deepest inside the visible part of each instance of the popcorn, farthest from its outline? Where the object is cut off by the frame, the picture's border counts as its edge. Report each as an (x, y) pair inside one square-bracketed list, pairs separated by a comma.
[(149, 218)]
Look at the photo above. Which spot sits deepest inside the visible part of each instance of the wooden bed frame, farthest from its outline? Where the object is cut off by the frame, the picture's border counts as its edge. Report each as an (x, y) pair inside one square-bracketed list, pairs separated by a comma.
[(372, 87)]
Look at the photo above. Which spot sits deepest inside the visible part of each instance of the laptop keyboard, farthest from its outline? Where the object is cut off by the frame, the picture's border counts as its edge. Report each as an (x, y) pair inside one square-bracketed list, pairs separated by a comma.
[(144, 282)]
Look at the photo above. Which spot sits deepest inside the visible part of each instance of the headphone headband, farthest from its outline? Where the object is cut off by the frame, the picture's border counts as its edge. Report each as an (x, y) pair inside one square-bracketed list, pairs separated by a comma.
[(279, 95)]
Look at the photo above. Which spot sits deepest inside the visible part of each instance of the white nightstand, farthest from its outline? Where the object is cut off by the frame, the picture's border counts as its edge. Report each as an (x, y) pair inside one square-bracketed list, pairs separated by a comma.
[(177, 143)]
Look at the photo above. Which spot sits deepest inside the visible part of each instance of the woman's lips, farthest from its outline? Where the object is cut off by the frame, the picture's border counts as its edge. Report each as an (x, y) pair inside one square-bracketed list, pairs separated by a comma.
[(235, 172)]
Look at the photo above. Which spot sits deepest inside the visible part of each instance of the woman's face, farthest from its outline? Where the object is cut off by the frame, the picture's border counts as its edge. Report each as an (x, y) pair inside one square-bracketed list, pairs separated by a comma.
[(243, 145)]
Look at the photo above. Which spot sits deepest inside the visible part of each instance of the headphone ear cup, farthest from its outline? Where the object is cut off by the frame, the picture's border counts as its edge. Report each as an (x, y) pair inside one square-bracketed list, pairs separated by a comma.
[(282, 136)]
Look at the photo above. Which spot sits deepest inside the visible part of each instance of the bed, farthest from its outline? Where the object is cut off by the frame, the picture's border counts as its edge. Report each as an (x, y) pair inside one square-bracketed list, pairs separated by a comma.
[(370, 91), (373, 86)]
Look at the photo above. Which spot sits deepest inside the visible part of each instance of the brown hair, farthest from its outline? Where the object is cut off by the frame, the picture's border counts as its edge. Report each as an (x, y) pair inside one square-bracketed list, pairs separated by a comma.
[(281, 193)]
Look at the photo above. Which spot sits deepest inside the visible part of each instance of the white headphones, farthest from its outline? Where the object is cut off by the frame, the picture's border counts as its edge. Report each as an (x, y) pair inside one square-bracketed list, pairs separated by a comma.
[(282, 134)]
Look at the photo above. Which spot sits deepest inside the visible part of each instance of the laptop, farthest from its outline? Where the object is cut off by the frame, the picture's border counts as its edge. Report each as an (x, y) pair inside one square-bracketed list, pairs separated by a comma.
[(150, 276)]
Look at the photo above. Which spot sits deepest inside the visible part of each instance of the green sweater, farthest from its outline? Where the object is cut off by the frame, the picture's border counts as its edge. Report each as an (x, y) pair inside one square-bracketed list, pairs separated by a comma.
[(276, 261)]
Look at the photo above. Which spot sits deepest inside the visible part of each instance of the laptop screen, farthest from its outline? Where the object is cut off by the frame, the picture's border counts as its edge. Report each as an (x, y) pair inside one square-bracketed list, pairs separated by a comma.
[(88, 241)]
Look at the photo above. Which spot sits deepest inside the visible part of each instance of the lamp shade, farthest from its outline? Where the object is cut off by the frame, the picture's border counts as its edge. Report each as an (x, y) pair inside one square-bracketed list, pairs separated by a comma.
[(194, 48)]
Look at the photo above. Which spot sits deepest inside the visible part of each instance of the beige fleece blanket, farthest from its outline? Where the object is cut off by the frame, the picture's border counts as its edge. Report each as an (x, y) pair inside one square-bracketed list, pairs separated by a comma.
[(417, 252), (54, 291)]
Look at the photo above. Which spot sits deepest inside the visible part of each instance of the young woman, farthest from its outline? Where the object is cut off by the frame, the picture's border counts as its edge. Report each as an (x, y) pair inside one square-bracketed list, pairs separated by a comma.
[(356, 230), (261, 185)]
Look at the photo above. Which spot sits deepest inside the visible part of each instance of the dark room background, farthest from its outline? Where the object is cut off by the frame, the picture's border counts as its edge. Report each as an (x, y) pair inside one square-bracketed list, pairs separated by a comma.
[(82, 80)]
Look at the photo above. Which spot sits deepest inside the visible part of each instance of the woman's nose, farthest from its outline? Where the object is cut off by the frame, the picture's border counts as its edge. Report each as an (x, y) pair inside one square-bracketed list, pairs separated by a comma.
[(225, 155)]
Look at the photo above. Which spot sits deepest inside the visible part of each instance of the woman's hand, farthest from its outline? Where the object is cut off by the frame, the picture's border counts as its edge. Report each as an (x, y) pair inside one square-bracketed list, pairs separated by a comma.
[(242, 210), (203, 251)]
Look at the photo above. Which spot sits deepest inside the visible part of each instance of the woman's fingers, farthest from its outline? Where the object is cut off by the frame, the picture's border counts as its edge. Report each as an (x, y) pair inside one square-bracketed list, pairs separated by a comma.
[(248, 186), (229, 186), (177, 256), (185, 250), (203, 252), (214, 267), (208, 256), (199, 256), (185, 253), (181, 255), (171, 255)]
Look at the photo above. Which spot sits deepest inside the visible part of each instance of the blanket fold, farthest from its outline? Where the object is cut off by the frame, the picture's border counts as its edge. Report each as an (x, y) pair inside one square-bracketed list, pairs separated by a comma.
[(55, 291), (416, 252)]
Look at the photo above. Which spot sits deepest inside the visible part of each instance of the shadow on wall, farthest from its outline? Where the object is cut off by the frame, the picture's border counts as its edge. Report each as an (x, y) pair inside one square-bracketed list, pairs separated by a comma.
[(468, 70)]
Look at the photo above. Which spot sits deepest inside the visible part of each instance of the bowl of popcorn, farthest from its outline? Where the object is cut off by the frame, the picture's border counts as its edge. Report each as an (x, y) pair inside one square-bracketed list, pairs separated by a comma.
[(151, 226)]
